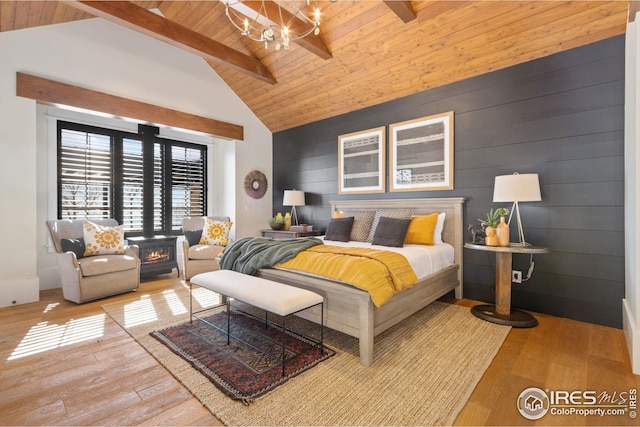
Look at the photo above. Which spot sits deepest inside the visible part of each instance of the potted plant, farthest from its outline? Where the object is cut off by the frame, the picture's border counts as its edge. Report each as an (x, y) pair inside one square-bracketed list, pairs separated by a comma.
[(277, 222), (490, 224), (495, 229)]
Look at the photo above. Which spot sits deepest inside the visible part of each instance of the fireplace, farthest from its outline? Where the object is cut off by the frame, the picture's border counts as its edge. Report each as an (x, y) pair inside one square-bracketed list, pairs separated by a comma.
[(157, 254)]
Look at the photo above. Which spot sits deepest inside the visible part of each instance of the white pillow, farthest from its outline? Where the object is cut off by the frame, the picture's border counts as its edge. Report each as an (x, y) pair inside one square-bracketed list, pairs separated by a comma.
[(102, 240), (437, 233), (215, 232)]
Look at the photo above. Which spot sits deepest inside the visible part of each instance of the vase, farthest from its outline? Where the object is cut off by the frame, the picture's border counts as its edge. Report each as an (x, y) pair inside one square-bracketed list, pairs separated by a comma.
[(490, 238), (502, 232), (287, 221)]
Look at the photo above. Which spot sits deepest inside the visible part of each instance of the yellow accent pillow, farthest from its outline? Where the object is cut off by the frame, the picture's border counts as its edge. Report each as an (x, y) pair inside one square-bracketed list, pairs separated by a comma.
[(102, 240), (337, 214), (421, 229), (215, 232)]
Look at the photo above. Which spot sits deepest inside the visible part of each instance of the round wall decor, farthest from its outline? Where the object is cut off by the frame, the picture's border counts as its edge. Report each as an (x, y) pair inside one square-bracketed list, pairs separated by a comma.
[(255, 184)]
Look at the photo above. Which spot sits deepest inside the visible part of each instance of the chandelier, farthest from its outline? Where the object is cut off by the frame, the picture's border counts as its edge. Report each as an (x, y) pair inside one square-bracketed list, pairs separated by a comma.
[(275, 22)]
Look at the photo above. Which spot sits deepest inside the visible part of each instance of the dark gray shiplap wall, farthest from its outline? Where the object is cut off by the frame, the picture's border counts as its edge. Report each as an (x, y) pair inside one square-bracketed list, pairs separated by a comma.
[(562, 117)]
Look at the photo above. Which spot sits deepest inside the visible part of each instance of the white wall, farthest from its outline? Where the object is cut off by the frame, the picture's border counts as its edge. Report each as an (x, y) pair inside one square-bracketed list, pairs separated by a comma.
[(631, 302), (102, 56)]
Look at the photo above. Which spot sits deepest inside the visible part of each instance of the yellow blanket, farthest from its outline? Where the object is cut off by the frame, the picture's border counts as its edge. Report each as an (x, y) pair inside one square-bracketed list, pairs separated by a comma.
[(381, 273)]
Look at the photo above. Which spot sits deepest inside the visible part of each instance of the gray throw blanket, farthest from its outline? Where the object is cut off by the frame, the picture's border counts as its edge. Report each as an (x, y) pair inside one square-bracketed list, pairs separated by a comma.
[(250, 254)]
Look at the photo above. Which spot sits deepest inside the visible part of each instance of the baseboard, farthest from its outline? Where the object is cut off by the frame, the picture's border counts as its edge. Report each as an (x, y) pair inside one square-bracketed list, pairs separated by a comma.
[(49, 278), (632, 335), (19, 291)]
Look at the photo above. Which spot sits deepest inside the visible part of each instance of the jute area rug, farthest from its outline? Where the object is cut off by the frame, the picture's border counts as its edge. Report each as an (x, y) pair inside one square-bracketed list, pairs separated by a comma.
[(424, 370)]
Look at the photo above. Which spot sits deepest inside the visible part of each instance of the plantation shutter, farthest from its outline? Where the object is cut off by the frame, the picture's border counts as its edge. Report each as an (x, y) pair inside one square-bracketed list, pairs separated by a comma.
[(158, 188), (188, 165), (132, 185), (85, 168)]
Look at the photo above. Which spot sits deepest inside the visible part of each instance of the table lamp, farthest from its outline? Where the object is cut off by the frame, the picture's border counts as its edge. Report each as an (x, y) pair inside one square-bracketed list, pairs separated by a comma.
[(517, 188), (293, 198)]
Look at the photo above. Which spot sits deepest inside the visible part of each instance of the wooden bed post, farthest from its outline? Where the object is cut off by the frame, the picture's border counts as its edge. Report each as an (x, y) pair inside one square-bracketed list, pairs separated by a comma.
[(367, 330), (458, 244)]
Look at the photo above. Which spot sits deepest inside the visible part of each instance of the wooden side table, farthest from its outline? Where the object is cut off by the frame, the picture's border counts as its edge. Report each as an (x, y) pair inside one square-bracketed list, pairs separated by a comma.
[(501, 312), (283, 234)]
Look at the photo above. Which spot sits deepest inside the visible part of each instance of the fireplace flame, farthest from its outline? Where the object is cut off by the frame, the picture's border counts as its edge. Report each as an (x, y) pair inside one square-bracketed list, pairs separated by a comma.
[(157, 256)]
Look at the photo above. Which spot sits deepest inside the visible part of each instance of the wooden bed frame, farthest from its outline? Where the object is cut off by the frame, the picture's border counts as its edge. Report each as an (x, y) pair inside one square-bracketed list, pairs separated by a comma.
[(351, 311)]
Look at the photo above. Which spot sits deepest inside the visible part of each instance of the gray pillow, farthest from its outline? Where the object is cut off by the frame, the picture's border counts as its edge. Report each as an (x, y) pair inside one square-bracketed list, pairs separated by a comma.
[(391, 232), (193, 237), (339, 229), (388, 213), (76, 246)]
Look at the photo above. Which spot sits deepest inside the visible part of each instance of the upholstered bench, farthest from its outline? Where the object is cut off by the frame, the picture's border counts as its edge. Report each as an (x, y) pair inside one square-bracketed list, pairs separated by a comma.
[(267, 295)]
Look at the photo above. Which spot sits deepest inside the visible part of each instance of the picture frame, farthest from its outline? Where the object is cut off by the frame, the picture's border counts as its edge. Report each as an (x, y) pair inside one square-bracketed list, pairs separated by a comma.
[(362, 162), (421, 154)]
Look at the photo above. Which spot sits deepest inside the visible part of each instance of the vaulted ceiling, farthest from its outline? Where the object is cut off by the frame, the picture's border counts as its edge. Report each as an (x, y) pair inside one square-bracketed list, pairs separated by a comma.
[(367, 52)]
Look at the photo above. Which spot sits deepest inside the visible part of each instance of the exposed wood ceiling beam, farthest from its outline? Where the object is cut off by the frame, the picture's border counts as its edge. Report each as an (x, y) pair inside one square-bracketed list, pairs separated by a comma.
[(312, 42), (403, 9), (53, 92), (634, 7), (140, 19)]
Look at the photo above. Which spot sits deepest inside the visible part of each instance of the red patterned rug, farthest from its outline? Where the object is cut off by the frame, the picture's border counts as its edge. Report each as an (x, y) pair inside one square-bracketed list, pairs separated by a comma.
[(240, 371)]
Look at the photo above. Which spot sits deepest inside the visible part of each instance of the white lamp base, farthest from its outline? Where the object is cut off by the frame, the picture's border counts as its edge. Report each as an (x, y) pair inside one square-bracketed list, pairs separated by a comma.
[(522, 241), (294, 215)]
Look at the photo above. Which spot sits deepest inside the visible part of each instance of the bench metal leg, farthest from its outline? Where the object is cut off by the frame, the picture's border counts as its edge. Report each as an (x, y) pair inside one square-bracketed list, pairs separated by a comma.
[(228, 321), (322, 326), (190, 302), (284, 328)]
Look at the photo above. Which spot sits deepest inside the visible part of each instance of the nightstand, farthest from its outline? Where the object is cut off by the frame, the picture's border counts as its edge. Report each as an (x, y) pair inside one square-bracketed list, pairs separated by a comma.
[(501, 312), (282, 234)]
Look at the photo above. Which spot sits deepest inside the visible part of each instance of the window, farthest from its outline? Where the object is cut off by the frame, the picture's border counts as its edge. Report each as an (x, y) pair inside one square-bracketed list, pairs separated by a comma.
[(145, 182)]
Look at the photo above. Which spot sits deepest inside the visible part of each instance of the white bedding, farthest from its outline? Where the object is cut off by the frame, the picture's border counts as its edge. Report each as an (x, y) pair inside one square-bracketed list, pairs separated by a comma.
[(425, 260)]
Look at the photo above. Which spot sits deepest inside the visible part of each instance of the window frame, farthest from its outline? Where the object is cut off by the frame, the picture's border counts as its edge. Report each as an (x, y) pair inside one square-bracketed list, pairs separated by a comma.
[(148, 135)]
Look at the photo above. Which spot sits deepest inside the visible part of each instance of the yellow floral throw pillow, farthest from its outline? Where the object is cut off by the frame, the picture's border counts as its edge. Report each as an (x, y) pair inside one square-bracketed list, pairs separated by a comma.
[(215, 232), (102, 240)]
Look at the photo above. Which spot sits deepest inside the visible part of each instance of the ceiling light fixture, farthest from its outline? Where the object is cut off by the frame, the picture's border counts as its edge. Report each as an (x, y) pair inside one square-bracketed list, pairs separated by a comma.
[(277, 22)]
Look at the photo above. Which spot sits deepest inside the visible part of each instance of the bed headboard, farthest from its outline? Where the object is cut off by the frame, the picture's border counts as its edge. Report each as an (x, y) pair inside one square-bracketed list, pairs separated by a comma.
[(453, 232)]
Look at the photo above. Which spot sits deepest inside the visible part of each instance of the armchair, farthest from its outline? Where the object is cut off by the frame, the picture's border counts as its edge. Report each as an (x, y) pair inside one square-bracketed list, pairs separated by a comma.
[(96, 276), (199, 258)]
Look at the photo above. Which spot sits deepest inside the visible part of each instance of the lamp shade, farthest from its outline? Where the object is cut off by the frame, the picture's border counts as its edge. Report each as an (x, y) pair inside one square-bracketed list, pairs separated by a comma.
[(293, 198), (517, 188)]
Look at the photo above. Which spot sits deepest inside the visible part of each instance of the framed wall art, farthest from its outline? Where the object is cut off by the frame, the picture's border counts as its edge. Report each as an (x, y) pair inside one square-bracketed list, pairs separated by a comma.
[(421, 154), (361, 162)]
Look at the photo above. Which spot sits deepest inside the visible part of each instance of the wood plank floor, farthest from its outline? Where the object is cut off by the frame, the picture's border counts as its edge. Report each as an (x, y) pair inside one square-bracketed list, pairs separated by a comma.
[(68, 364)]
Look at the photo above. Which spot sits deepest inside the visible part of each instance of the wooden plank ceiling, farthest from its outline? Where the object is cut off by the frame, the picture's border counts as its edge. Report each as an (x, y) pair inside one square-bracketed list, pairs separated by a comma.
[(375, 56)]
